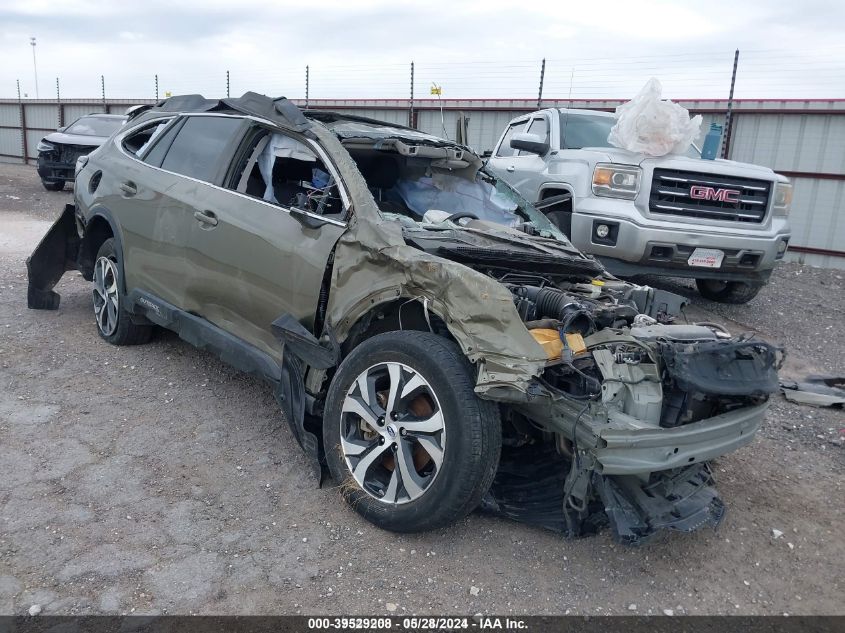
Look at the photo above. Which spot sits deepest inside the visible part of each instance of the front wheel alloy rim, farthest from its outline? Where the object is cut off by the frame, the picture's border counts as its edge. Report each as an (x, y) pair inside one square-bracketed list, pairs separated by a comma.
[(105, 295), (392, 433)]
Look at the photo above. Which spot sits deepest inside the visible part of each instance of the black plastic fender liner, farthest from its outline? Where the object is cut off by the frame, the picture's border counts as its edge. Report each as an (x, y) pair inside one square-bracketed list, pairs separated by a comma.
[(290, 395), (56, 253), (301, 348), (300, 342)]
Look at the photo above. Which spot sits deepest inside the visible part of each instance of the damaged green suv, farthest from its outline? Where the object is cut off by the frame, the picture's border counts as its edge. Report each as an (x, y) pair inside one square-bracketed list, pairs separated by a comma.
[(433, 340)]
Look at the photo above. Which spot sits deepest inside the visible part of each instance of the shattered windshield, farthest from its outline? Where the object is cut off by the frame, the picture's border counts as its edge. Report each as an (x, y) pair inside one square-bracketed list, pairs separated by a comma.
[(434, 198), (413, 189)]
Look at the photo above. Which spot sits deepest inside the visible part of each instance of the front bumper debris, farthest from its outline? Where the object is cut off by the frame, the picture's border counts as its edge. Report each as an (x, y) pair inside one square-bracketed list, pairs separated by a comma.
[(682, 501), (56, 253), (531, 487)]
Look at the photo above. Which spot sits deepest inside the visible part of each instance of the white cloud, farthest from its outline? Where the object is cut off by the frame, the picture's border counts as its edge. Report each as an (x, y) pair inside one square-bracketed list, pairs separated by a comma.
[(486, 48)]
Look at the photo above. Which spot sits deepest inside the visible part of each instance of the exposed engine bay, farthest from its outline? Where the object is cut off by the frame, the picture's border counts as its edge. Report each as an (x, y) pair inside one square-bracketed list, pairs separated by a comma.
[(619, 362), (642, 373)]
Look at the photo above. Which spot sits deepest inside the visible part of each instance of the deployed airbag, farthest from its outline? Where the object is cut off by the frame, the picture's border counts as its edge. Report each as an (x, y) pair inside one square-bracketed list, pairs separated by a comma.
[(650, 125)]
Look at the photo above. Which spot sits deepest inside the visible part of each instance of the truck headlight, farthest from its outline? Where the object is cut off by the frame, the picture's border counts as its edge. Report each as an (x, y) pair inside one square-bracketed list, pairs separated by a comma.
[(44, 146), (783, 198), (616, 181)]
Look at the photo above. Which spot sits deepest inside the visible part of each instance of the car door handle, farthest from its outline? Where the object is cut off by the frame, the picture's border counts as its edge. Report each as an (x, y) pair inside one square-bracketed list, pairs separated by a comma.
[(511, 168), (206, 217), (128, 188)]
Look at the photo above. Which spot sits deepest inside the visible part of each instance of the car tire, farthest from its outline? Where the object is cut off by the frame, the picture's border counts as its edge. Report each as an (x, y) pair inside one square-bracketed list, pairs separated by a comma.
[(735, 292), (114, 323), (57, 185), (400, 472)]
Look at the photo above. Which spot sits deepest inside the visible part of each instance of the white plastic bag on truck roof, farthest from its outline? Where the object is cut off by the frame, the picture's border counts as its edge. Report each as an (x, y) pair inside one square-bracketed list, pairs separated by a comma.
[(649, 125)]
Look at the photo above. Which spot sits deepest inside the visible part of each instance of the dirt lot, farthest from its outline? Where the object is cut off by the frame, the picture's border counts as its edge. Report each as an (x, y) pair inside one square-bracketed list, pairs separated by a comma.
[(155, 479)]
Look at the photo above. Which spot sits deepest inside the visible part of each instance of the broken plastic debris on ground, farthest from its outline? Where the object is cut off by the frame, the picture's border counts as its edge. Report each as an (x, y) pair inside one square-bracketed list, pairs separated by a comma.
[(821, 391)]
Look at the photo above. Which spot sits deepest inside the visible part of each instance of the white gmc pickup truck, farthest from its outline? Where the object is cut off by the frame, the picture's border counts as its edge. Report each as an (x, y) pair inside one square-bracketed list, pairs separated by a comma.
[(720, 222)]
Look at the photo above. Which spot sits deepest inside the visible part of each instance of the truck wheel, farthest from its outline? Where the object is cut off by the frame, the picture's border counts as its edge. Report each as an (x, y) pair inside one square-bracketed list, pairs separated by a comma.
[(411, 445), (113, 322), (58, 185), (735, 292)]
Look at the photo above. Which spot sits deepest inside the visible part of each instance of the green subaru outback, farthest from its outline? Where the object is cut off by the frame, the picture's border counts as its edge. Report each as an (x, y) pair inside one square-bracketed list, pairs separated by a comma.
[(434, 342)]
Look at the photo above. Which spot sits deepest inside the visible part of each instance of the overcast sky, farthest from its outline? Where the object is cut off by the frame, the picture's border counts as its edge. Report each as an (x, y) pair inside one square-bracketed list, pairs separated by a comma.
[(363, 48)]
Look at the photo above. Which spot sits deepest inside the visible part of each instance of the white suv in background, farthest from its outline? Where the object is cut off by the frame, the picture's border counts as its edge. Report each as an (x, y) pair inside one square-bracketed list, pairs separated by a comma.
[(720, 222)]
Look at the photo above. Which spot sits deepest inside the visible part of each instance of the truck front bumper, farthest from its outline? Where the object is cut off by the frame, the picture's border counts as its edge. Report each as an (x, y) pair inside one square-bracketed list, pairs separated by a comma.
[(637, 246)]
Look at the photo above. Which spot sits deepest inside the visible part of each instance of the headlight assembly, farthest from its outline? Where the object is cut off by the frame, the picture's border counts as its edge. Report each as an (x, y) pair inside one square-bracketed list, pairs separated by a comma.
[(616, 181), (783, 198)]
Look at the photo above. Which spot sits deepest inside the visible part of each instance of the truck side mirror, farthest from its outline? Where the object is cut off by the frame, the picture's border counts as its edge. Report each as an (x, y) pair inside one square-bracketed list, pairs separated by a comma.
[(529, 143)]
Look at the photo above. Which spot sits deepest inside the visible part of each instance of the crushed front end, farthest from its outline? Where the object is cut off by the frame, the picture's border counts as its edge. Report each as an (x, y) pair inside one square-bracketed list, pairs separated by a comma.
[(622, 423)]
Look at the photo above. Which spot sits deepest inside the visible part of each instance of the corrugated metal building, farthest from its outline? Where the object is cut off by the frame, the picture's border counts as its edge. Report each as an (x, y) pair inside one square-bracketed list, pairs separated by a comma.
[(802, 139)]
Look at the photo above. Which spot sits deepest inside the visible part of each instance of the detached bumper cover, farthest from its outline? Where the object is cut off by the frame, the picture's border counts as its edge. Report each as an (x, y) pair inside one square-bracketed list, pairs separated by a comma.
[(55, 254)]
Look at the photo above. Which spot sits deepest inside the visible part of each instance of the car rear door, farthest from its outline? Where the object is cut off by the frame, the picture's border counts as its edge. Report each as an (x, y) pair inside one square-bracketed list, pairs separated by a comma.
[(255, 259), (131, 190), (183, 164)]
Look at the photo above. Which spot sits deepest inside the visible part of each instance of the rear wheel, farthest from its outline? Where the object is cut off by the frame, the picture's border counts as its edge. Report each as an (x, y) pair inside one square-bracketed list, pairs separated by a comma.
[(735, 292), (113, 322), (57, 185), (410, 443)]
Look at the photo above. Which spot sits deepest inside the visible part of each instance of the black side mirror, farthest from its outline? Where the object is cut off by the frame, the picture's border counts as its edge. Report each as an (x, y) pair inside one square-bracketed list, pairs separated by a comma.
[(529, 143)]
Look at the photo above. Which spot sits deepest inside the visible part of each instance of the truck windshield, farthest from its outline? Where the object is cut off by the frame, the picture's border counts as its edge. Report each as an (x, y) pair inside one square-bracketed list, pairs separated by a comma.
[(585, 130)]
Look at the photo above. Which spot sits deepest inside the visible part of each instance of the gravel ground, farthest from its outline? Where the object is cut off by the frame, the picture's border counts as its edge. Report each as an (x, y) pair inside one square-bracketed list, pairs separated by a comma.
[(155, 479)]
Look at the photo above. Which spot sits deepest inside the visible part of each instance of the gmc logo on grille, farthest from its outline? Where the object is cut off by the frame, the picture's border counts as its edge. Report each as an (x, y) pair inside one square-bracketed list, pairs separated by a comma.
[(699, 192)]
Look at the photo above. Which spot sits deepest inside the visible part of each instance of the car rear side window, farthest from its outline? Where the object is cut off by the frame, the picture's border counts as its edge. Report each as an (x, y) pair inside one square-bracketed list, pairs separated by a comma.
[(139, 141), (198, 147)]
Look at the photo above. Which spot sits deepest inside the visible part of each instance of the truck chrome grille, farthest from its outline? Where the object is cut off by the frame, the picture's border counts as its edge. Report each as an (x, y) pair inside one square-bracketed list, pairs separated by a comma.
[(710, 196)]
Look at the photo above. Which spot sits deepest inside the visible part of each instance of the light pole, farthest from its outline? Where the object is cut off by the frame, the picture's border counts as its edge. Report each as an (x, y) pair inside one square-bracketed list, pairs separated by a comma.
[(34, 65)]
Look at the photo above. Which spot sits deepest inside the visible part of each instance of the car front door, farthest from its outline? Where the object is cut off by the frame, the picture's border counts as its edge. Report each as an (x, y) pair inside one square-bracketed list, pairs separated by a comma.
[(501, 162), (522, 170), (527, 169), (262, 240)]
